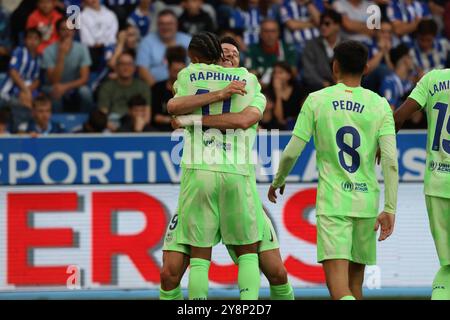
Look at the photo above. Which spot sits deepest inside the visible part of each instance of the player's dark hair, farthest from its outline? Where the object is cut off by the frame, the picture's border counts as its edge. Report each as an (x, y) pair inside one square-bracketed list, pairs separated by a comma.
[(426, 27), (229, 40), (398, 52), (351, 56), (206, 46), (136, 101), (34, 31), (176, 54), (333, 15), (41, 99)]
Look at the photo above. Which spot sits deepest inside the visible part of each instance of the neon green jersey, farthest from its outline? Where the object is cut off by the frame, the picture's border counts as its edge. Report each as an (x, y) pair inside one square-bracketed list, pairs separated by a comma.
[(211, 149), (346, 123), (432, 93)]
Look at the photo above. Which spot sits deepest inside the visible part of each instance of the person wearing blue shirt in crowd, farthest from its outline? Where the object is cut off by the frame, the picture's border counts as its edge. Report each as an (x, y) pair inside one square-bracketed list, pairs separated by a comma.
[(397, 84), (142, 16), (20, 86), (41, 124), (249, 17), (301, 19), (405, 16), (429, 51), (152, 49)]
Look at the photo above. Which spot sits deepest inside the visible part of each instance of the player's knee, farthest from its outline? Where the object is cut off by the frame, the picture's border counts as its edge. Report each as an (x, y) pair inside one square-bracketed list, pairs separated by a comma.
[(278, 276)]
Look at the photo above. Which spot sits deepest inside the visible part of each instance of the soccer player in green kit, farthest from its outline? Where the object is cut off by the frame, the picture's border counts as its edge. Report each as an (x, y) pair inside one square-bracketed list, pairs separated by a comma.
[(432, 93), (175, 255), (216, 199), (348, 122)]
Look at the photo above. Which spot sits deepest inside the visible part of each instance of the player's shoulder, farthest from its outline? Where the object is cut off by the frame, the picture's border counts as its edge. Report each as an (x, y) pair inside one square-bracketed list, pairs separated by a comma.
[(437, 74)]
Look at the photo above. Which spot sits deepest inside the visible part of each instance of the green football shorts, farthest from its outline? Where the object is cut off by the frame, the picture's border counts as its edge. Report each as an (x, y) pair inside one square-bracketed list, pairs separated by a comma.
[(170, 239), (268, 242), (217, 205), (439, 216), (349, 238)]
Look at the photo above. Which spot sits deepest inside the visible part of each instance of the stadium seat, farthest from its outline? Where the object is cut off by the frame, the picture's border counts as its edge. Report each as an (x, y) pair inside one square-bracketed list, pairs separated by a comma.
[(70, 121)]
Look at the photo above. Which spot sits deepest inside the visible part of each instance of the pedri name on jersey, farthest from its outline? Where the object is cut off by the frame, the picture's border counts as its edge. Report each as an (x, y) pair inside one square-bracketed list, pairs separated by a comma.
[(348, 106), (443, 85), (218, 76)]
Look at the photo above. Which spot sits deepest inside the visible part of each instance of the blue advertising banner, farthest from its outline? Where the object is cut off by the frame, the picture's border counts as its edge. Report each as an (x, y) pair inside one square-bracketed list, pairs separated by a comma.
[(155, 158)]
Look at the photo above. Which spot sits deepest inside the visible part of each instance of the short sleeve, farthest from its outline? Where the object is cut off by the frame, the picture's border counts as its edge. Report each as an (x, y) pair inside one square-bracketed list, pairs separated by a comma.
[(16, 59), (48, 61), (304, 127), (180, 85), (387, 126), (259, 100), (420, 92)]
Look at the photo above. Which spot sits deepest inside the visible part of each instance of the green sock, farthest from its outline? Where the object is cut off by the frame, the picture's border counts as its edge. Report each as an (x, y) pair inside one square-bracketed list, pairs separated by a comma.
[(282, 292), (441, 284), (174, 294), (198, 279), (347, 298), (248, 276)]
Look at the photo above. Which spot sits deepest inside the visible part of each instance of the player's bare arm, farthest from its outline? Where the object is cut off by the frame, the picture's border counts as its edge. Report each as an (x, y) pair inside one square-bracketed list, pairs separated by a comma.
[(188, 104), (233, 120), (406, 110)]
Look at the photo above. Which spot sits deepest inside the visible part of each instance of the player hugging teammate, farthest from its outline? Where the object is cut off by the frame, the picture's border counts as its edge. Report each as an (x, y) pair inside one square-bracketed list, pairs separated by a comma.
[(219, 201)]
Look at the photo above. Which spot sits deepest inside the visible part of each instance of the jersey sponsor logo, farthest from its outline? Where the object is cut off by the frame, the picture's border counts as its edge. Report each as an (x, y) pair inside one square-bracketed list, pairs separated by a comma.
[(432, 165), (347, 186), (440, 167)]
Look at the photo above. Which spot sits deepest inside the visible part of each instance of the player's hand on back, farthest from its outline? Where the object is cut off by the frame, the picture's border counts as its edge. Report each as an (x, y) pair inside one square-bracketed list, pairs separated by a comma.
[(235, 87), (386, 221), (272, 194), (175, 123)]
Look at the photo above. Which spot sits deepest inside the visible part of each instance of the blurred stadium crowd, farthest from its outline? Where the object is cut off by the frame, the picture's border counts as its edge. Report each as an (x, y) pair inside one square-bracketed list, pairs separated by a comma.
[(115, 73)]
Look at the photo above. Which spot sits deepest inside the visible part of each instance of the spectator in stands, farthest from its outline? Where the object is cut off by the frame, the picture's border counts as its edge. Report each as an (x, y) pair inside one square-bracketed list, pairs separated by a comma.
[(22, 83), (99, 33), (250, 16), (301, 19), (5, 122), (270, 49), (194, 19), (379, 63), (142, 17), (225, 11), (44, 18), (429, 51), (67, 65), (137, 119), (18, 20), (162, 91), (127, 41), (437, 9), (96, 123), (354, 19), (447, 20), (5, 39), (24, 70), (115, 93), (41, 124), (287, 96), (318, 53), (398, 84), (405, 16), (151, 51), (122, 9)]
